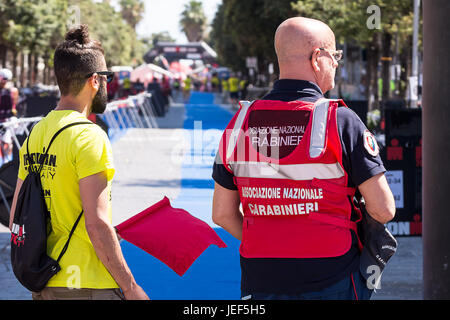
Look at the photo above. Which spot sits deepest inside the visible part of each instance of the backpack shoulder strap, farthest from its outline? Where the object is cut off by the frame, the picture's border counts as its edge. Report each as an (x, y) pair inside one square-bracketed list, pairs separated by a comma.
[(53, 139), (62, 129), (66, 245)]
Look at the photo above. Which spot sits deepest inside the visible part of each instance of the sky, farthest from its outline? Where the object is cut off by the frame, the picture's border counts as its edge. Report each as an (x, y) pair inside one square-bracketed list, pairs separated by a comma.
[(164, 15)]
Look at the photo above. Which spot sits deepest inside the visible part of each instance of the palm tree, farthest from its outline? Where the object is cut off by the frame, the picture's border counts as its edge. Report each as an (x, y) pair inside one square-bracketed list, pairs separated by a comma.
[(132, 11), (193, 21)]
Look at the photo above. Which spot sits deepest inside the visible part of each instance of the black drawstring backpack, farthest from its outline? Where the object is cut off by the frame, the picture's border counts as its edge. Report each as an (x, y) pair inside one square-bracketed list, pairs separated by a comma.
[(30, 262)]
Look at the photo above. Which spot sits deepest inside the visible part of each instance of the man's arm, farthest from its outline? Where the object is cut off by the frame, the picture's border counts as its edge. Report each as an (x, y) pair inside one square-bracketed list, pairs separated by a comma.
[(380, 203), (15, 97), (225, 211), (14, 202), (94, 195)]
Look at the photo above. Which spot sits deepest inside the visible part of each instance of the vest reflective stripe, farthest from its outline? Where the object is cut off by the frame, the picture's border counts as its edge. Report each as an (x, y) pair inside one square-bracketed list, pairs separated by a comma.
[(304, 171), (245, 106), (319, 127)]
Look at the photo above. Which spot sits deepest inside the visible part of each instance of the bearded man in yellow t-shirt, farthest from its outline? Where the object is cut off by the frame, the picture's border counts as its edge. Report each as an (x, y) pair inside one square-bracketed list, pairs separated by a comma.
[(76, 176)]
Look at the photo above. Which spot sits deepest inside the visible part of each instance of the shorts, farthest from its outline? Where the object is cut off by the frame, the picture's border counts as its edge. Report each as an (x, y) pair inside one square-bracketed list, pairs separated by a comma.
[(234, 95), (62, 293)]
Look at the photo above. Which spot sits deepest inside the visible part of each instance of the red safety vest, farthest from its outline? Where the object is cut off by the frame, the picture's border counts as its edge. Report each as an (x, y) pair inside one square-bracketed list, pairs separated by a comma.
[(297, 206)]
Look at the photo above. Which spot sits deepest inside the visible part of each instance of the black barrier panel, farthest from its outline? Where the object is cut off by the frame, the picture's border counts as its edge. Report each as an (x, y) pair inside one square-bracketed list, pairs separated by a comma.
[(158, 99), (360, 107), (40, 106), (402, 158), (403, 122), (157, 104), (8, 180), (102, 124)]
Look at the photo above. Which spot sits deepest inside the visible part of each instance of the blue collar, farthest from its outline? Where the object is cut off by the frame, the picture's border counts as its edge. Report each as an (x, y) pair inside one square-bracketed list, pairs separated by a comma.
[(297, 86)]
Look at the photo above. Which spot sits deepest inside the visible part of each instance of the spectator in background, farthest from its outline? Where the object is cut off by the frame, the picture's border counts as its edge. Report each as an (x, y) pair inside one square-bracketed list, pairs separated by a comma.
[(139, 86), (225, 92), (187, 85), (233, 87), (215, 82), (126, 85), (165, 87), (176, 87), (9, 96), (113, 88), (243, 84), (197, 83)]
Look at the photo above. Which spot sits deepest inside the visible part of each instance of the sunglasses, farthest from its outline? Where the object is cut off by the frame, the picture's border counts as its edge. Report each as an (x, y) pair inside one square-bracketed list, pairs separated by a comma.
[(337, 55), (109, 75)]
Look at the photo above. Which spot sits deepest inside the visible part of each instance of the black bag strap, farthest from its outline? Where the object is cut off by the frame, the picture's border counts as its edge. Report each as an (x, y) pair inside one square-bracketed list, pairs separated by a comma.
[(66, 245)]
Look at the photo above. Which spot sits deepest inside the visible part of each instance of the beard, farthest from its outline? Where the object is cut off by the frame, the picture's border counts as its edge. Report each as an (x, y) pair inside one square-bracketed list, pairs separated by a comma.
[(100, 101)]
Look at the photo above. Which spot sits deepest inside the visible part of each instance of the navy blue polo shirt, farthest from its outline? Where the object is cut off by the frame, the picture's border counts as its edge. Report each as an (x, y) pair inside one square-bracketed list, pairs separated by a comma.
[(292, 275)]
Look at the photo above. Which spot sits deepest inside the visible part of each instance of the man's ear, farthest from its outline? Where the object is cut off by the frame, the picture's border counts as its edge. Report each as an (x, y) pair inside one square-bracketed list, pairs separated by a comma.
[(314, 62), (94, 82)]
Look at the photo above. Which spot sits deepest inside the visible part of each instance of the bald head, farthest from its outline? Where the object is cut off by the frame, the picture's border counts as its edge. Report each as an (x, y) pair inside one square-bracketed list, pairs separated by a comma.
[(297, 37), (297, 44)]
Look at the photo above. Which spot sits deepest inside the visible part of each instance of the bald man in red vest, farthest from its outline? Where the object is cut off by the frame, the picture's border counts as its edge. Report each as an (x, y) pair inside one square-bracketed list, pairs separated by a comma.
[(295, 161)]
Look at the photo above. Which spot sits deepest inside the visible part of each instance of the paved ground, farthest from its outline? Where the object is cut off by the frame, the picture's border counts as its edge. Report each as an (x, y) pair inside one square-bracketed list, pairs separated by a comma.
[(145, 171), (142, 178), (402, 278)]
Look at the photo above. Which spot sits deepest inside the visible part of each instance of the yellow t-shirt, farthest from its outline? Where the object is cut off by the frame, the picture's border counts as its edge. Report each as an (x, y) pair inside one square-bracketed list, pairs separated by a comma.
[(187, 84), (224, 85), (233, 84), (77, 152)]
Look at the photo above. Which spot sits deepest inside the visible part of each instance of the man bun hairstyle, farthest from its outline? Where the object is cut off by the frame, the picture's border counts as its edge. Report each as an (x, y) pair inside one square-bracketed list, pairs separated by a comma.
[(79, 34), (77, 56)]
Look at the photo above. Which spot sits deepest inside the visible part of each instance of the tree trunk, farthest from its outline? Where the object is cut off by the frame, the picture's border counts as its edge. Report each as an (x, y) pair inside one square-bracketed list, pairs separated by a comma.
[(376, 43), (14, 69), (405, 62), (50, 76), (45, 74), (22, 69), (368, 77), (3, 55), (373, 56), (35, 68), (30, 70)]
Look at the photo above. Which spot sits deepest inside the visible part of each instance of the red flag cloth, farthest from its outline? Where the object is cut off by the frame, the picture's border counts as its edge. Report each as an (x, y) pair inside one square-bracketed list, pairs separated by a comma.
[(171, 235)]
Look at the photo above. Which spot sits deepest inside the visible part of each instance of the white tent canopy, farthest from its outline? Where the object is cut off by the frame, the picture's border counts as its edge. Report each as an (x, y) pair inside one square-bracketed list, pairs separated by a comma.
[(147, 71)]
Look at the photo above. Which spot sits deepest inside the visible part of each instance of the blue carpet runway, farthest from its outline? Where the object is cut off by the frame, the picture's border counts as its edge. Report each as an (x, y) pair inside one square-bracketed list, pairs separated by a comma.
[(215, 275)]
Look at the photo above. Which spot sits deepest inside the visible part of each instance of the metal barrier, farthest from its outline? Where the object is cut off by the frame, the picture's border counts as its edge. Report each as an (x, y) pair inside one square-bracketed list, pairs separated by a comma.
[(9, 132), (17, 126), (134, 112)]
